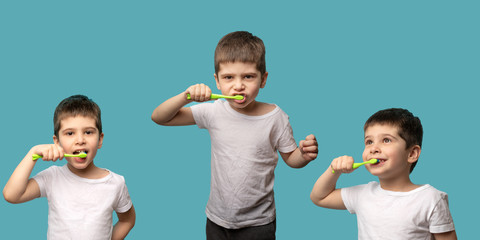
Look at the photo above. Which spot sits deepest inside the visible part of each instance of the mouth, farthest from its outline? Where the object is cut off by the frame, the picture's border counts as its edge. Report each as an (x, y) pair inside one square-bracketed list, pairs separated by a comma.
[(380, 161), (240, 101), (79, 152)]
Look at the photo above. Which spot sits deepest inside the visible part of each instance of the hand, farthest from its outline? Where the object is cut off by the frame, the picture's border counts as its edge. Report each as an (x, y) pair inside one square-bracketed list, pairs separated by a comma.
[(199, 92), (343, 164), (49, 152), (309, 148)]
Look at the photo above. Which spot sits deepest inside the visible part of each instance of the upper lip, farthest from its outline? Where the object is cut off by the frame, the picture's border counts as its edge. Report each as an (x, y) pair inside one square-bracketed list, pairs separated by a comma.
[(80, 151)]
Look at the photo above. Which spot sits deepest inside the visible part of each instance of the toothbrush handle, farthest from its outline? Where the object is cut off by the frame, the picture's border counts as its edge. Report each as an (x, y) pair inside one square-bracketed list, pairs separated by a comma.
[(36, 156), (355, 165), (212, 96)]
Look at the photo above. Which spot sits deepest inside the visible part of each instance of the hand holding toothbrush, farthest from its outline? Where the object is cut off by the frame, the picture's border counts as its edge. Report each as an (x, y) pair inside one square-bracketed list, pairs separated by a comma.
[(198, 93), (48, 152), (345, 164), (202, 93)]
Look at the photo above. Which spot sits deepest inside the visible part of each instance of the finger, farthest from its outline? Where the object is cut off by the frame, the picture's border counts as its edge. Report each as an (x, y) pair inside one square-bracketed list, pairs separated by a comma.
[(208, 93), (202, 92), (310, 149), (307, 143), (310, 137), (301, 144), (60, 151), (310, 156)]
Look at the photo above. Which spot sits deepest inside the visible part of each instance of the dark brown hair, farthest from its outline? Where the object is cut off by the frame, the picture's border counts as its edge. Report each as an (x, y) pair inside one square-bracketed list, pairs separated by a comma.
[(409, 126), (74, 106), (240, 46)]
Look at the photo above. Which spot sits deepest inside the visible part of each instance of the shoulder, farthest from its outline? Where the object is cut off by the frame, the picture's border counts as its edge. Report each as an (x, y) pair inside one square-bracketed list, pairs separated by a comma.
[(52, 170), (362, 187), (116, 176), (429, 192)]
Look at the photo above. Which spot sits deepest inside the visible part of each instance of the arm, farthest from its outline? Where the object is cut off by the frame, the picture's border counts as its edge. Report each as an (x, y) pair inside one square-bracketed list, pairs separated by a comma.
[(324, 192), (172, 112), (19, 187), (306, 152), (125, 223), (446, 236)]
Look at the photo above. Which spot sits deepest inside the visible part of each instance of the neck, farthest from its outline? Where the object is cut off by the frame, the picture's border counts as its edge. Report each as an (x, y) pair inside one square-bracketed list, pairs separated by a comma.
[(255, 109), (90, 172), (398, 184)]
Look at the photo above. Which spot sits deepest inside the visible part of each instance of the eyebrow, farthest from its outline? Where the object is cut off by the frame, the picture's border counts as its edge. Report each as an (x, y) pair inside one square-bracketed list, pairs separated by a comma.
[(382, 135), (74, 129)]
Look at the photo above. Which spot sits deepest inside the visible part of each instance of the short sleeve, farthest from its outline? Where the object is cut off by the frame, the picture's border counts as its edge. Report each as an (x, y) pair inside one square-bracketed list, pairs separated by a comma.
[(347, 198), (286, 142), (201, 113), (441, 220), (124, 202), (43, 178)]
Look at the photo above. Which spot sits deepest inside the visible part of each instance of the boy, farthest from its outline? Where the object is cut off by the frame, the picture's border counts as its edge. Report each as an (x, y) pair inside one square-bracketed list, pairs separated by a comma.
[(81, 196), (245, 136), (395, 208)]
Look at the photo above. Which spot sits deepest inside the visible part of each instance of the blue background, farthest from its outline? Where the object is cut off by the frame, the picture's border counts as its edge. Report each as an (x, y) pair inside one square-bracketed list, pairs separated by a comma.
[(331, 65)]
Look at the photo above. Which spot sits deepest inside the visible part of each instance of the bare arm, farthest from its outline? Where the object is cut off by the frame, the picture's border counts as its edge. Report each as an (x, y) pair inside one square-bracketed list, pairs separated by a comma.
[(20, 187), (305, 153), (324, 192), (446, 236), (173, 113), (125, 223)]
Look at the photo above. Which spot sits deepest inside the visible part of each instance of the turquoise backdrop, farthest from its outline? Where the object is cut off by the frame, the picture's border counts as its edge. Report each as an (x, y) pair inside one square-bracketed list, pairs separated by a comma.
[(331, 65)]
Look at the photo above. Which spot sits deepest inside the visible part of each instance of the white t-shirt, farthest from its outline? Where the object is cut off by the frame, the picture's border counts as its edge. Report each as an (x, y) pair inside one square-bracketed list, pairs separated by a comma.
[(80, 208), (383, 214), (243, 159)]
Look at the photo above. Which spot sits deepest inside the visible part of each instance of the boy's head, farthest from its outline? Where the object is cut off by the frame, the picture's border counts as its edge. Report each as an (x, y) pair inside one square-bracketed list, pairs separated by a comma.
[(408, 126), (240, 46), (76, 105)]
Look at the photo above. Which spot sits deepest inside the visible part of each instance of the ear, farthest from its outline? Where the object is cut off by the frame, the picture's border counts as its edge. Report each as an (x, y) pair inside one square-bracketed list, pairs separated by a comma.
[(55, 140), (414, 153), (100, 141), (264, 80), (216, 81)]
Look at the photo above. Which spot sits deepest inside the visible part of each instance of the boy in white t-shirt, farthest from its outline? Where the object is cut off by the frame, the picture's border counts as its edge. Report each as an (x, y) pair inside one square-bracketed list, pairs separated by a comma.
[(81, 196), (245, 136), (394, 208)]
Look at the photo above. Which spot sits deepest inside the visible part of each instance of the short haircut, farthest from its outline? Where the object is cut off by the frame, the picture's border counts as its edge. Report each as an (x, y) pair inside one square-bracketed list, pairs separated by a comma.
[(76, 105), (240, 46), (409, 126)]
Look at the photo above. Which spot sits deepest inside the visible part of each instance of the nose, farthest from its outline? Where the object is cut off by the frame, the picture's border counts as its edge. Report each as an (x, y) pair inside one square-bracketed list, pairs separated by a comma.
[(80, 139), (238, 84), (374, 148)]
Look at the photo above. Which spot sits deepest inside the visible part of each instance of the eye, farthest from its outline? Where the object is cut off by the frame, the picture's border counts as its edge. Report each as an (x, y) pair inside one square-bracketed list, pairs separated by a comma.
[(250, 77), (387, 140), (227, 77), (368, 142), (69, 133), (88, 132)]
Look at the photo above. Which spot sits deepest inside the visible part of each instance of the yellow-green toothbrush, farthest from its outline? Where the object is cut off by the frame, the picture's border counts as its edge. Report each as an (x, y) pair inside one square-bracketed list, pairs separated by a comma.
[(217, 96), (81, 155), (356, 165)]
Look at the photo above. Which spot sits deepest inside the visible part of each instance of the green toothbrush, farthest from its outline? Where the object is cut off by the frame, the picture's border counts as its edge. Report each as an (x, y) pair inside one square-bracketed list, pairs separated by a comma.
[(217, 96), (81, 155), (356, 165)]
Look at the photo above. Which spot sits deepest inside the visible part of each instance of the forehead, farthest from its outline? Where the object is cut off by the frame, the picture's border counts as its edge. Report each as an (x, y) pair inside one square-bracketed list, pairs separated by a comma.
[(78, 121), (381, 129), (237, 67)]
